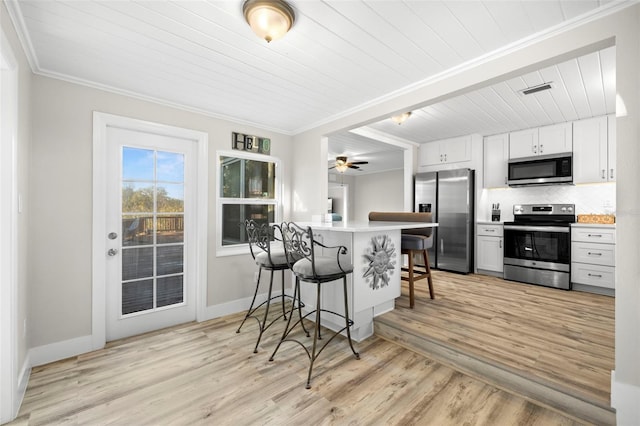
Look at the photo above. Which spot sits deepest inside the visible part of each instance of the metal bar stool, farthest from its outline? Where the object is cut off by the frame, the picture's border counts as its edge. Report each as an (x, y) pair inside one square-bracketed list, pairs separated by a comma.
[(300, 244), (261, 237), (414, 241)]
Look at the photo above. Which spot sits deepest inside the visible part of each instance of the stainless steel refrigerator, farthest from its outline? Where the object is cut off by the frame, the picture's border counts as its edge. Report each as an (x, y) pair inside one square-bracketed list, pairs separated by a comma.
[(449, 195)]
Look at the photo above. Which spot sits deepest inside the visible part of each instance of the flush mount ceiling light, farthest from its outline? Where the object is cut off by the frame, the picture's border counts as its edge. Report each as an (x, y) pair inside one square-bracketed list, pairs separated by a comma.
[(269, 19), (401, 118)]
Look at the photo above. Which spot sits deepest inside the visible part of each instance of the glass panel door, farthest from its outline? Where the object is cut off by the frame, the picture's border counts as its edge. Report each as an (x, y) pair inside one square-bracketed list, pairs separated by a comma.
[(152, 229), (151, 209)]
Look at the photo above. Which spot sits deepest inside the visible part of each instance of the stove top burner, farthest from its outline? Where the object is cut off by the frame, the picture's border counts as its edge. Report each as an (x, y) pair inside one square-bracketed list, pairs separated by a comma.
[(544, 214)]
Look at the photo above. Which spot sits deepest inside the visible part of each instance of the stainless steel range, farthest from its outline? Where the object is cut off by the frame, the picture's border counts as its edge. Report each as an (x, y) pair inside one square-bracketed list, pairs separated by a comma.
[(537, 244)]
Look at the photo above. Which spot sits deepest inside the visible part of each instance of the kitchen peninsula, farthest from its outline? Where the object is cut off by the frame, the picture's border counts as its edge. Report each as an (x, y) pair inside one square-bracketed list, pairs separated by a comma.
[(374, 250)]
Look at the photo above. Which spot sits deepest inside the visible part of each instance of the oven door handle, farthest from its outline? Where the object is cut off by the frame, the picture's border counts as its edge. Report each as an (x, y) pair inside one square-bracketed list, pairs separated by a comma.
[(564, 229)]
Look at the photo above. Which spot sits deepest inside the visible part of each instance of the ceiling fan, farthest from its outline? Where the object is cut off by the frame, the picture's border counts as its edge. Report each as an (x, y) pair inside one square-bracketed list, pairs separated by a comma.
[(342, 164)]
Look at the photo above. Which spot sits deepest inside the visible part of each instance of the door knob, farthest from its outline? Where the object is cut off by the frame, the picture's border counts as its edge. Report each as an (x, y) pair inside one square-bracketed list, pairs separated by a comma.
[(112, 252), (112, 235)]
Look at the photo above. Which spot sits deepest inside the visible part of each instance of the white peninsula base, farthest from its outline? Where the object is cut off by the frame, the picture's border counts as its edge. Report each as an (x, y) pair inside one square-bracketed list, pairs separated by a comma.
[(374, 250)]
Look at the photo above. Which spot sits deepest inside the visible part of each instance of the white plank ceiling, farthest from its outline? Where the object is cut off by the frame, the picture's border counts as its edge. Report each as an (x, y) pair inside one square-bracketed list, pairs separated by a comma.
[(339, 56)]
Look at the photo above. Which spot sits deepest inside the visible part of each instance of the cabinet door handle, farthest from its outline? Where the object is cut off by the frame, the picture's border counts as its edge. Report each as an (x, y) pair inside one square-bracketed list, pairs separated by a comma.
[(441, 158), (445, 158), (489, 230), (533, 148), (594, 235), (594, 275), (611, 174), (541, 150), (603, 174), (500, 243), (592, 253)]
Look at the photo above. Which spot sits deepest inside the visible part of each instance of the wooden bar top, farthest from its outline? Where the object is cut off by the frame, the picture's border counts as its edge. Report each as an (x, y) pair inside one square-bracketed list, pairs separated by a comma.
[(366, 226)]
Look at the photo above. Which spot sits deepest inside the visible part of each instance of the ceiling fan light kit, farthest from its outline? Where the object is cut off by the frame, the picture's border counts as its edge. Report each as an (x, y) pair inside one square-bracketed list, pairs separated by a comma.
[(341, 164), (269, 19), (401, 118)]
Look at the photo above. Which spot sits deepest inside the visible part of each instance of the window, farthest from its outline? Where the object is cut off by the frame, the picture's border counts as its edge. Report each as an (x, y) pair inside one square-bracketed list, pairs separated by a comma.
[(247, 189)]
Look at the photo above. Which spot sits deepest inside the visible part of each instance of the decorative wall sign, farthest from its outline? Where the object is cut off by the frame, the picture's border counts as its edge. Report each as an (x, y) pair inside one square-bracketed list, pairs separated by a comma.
[(381, 260), (250, 143)]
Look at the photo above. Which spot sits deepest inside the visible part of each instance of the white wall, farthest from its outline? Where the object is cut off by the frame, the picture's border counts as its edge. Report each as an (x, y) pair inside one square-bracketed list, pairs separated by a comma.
[(61, 194), (378, 192)]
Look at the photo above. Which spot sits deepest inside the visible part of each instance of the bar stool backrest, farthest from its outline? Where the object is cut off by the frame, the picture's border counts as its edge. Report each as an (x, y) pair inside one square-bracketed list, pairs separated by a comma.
[(300, 246), (260, 236), (297, 242)]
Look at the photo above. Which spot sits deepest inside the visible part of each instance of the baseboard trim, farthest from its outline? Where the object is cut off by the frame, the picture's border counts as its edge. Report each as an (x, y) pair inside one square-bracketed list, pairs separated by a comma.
[(57, 351), (52, 352), (593, 289), (624, 398), (232, 307)]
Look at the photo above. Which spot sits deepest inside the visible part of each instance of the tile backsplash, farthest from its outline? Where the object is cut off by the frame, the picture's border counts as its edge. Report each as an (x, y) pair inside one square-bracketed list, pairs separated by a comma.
[(589, 199)]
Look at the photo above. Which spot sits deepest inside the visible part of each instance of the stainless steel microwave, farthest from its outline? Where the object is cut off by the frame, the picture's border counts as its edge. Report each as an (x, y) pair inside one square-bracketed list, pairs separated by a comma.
[(541, 170)]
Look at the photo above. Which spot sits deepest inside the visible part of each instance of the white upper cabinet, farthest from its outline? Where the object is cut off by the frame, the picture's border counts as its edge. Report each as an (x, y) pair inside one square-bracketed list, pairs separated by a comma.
[(496, 156), (545, 140), (555, 139), (590, 151), (445, 151), (523, 143)]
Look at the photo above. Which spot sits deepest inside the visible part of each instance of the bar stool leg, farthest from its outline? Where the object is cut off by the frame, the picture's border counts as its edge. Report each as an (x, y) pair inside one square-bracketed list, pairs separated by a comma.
[(411, 289), (428, 271), (316, 332), (255, 293), (284, 313), (263, 325), (299, 307), (287, 328)]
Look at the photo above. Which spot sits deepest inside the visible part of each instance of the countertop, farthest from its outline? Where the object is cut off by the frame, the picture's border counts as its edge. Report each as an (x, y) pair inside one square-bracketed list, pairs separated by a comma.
[(366, 226), (594, 225)]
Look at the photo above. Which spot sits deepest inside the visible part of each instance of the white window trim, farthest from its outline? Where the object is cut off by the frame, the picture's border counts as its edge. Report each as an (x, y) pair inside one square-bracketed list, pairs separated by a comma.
[(238, 249)]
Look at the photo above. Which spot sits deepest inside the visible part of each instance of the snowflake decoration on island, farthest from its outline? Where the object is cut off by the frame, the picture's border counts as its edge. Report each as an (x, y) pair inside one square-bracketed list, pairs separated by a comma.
[(381, 262)]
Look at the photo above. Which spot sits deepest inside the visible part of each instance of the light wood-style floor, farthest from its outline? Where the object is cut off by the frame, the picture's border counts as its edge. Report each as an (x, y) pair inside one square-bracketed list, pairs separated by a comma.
[(563, 340), (207, 374)]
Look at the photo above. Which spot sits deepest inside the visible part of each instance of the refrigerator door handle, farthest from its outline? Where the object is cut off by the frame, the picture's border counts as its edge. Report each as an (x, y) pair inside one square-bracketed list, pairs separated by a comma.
[(441, 245)]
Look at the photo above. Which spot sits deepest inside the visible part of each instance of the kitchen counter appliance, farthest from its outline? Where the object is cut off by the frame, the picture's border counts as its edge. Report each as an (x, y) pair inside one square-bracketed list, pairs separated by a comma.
[(537, 244), (541, 170), (449, 196)]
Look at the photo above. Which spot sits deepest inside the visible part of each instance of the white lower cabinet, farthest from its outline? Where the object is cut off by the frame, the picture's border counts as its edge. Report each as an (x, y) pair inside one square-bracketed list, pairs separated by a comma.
[(593, 275), (489, 248), (593, 255)]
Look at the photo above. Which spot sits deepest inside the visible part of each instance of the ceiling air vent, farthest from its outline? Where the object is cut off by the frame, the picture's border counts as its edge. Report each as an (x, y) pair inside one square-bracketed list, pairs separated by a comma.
[(536, 89)]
